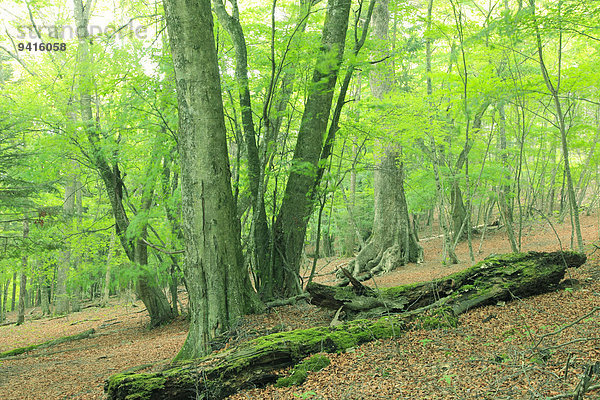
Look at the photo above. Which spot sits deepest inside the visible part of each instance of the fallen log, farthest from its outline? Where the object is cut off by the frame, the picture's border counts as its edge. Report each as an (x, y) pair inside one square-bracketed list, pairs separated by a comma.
[(431, 304), (54, 342), (497, 278)]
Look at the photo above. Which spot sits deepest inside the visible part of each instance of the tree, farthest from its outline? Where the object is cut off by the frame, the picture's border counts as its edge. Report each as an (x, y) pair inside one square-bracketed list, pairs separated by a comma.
[(393, 242), (554, 89), (23, 278), (298, 199), (218, 285), (135, 246)]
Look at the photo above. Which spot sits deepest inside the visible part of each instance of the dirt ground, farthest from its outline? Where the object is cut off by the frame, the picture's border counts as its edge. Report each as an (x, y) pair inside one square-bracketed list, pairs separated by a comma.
[(512, 351)]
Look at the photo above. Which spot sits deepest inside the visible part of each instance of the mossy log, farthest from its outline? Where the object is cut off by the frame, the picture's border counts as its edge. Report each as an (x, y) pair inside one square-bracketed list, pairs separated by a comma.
[(254, 363), (250, 364), (497, 278), (54, 342)]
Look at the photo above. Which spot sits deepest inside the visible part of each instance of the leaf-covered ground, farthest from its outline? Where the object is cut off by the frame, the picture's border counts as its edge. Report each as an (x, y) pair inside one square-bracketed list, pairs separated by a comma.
[(514, 351)]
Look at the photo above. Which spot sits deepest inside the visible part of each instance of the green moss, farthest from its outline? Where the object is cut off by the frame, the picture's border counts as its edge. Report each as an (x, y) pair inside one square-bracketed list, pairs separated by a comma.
[(300, 371), (442, 317), (20, 350), (337, 338), (64, 339), (139, 386), (466, 288)]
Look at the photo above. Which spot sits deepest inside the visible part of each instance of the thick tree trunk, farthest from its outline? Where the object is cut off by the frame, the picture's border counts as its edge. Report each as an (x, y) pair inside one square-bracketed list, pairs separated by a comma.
[(393, 243), (218, 284), (427, 305)]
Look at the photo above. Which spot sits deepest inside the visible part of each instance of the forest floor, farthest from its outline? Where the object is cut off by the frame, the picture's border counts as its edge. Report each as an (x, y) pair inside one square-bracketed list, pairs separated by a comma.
[(515, 350)]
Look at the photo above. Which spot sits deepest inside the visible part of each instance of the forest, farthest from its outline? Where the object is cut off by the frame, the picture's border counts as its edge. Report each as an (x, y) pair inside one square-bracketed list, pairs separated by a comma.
[(319, 199)]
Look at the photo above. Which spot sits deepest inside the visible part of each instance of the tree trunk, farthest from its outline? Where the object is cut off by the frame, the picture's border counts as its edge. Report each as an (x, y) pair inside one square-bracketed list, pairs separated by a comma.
[(297, 205), (3, 289), (562, 128), (218, 285), (4, 299), (154, 299), (23, 280), (513, 275), (428, 305), (22, 294), (106, 291), (392, 243), (61, 298), (14, 292), (44, 287)]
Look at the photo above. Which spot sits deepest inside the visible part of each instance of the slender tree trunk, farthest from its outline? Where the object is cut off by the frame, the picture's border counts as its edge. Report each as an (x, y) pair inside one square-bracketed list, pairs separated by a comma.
[(3, 289), (504, 187), (173, 285), (5, 298), (111, 249), (44, 287), (154, 299), (14, 292), (61, 298), (563, 130), (23, 280), (582, 183), (260, 228), (297, 205)]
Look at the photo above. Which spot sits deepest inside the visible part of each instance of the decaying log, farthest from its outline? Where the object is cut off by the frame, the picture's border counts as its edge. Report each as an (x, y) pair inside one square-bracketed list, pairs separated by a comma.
[(250, 364), (432, 304), (498, 278)]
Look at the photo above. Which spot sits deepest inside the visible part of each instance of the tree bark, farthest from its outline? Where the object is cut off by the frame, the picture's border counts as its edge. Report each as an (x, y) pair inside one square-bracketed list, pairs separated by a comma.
[(393, 243), (290, 226), (4, 299), (44, 287), (218, 285), (23, 280), (106, 290), (14, 292), (554, 89), (61, 297), (428, 305), (493, 279), (261, 233)]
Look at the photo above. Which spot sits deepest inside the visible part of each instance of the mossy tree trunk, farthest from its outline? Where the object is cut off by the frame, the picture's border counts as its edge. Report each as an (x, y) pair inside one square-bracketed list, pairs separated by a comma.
[(298, 200), (491, 280), (427, 305), (217, 282)]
